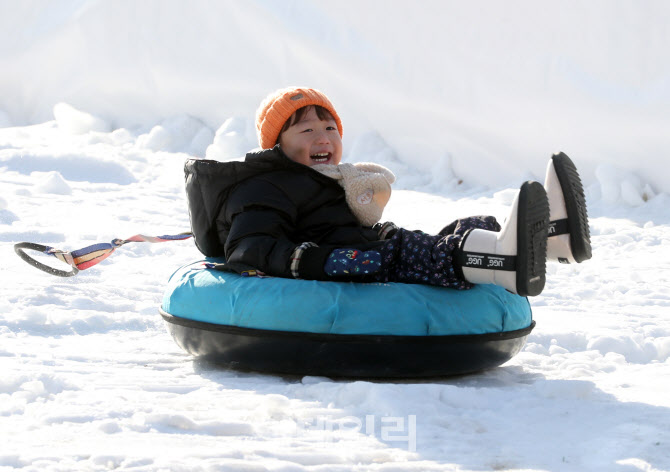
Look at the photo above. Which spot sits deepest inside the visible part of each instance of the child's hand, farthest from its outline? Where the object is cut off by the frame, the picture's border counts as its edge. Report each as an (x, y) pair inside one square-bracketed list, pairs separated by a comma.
[(352, 262)]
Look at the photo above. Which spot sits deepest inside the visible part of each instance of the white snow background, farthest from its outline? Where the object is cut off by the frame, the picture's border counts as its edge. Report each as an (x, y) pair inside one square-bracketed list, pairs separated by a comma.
[(102, 102)]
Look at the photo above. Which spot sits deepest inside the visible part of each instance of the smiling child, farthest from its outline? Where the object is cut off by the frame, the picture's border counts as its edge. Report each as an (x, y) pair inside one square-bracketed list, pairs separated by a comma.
[(279, 212)]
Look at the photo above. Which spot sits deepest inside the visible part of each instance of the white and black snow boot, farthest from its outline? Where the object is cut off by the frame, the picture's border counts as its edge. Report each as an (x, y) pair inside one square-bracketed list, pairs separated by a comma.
[(569, 238), (514, 258)]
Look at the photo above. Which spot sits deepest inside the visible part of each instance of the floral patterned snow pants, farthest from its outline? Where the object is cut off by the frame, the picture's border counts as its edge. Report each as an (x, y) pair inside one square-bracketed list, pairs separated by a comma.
[(420, 258)]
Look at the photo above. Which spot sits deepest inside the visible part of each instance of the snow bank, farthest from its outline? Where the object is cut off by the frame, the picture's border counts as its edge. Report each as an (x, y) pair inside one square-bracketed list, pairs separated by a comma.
[(498, 87), (74, 121), (52, 182), (6, 216), (618, 186), (77, 166), (181, 133), (232, 140)]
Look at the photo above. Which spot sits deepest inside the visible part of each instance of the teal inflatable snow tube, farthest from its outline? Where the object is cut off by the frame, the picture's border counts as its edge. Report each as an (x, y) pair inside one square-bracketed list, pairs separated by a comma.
[(342, 329)]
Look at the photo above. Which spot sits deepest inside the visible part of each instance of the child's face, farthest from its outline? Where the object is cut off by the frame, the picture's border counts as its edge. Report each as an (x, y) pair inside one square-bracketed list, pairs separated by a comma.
[(312, 141)]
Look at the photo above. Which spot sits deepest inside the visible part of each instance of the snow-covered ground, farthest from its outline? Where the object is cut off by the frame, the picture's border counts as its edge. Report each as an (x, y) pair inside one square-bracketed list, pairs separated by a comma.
[(91, 380)]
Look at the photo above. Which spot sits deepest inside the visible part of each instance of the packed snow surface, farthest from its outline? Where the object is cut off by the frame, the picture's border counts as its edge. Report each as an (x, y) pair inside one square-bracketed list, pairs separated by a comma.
[(102, 102)]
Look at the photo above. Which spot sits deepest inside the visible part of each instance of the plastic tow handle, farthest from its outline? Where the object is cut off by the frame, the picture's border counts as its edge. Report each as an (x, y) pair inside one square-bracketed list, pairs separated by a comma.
[(19, 248)]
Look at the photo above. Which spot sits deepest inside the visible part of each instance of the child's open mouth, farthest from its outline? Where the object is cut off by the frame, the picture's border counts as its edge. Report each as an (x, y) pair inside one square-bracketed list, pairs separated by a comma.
[(320, 157)]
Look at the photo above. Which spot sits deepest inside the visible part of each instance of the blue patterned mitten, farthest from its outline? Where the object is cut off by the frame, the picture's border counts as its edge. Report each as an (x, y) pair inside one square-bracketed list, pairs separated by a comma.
[(352, 262)]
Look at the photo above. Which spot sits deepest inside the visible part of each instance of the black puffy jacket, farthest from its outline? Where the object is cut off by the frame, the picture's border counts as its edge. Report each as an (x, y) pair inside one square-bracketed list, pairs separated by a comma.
[(256, 212)]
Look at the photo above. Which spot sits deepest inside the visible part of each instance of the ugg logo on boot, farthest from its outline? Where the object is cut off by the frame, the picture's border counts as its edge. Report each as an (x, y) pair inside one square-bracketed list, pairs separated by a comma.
[(296, 97)]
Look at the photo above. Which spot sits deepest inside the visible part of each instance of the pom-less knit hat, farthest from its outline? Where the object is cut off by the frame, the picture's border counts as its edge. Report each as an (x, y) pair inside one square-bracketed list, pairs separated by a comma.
[(280, 105)]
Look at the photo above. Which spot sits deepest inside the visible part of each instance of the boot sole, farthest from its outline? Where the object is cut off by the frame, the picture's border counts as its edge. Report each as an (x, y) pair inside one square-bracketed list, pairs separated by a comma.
[(532, 232), (575, 205)]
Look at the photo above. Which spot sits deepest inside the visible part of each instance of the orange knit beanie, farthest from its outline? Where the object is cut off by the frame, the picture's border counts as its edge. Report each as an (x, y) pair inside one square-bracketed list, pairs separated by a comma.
[(280, 105)]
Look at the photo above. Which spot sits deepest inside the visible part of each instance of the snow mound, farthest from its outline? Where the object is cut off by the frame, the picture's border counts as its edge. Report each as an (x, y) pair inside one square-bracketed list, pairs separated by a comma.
[(634, 348), (75, 121), (201, 141), (180, 133), (74, 167), (6, 216), (619, 186), (231, 141), (54, 183), (158, 139)]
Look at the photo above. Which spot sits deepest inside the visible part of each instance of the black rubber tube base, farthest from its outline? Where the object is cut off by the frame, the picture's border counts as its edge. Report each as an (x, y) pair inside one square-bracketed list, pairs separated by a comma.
[(344, 356)]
